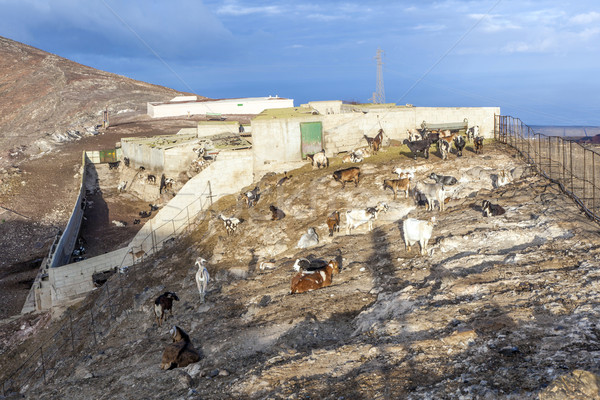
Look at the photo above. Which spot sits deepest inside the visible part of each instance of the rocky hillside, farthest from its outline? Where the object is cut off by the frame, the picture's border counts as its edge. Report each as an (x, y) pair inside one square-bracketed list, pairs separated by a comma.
[(46, 99), (501, 307)]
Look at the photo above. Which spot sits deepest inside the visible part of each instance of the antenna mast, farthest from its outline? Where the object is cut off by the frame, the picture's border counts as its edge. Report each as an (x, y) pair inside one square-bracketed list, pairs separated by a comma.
[(379, 95)]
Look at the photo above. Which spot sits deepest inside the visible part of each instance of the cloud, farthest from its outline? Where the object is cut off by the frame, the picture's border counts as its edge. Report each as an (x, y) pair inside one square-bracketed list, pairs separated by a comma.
[(429, 27), (495, 22), (236, 9), (585, 19)]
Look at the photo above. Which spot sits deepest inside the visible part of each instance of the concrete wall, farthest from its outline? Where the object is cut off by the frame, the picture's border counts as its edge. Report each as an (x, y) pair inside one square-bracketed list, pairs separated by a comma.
[(277, 141), (170, 158), (252, 105), (327, 107), (210, 128)]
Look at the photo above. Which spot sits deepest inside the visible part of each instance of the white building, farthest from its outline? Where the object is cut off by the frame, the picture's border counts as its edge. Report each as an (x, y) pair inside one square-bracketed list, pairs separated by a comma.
[(191, 105)]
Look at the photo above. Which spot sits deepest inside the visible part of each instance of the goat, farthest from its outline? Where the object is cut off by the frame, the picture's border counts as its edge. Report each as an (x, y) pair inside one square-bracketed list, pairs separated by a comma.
[(153, 207), (445, 180), (151, 178), (136, 255), (405, 173), (284, 179), (491, 210), (307, 266), (251, 197), (230, 223), (309, 239), (396, 185), (478, 144), (180, 353), (163, 303), (432, 192), (145, 214), (459, 143), (202, 277), (414, 134), (375, 143), (333, 222), (319, 159), (503, 178), (351, 174), (114, 165), (126, 161), (121, 187), (355, 218), (444, 147), (165, 184), (419, 146), (302, 282), (276, 213), (136, 221), (472, 132), (267, 265), (355, 156), (415, 230)]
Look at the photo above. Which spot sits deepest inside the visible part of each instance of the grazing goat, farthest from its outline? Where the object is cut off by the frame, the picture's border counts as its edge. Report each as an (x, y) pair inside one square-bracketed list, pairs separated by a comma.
[(309, 239), (459, 143), (180, 353), (355, 157), (415, 230), (444, 147), (202, 277), (478, 144), (333, 222), (230, 223), (284, 179), (419, 146), (303, 282), (356, 218), (445, 180), (319, 159), (121, 187), (402, 184), (252, 196), (276, 213), (351, 174), (151, 178), (163, 303), (114, 165), (491, 210), (432, 192), (145, 214), (472, 132)]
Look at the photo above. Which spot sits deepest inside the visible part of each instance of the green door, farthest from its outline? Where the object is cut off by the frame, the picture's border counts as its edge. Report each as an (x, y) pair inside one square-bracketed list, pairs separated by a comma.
[(311, 137), (108, 156)]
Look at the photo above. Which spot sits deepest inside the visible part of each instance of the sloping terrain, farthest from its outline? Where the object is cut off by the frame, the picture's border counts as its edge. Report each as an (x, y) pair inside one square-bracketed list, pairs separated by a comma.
[(500, 307), (47, 100)]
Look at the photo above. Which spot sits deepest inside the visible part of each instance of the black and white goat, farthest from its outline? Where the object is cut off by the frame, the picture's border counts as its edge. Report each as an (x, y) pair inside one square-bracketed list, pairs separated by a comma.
[(230, 223), (445, 180), (472, 132), (491, 210), (356, 218), (252, 196), (163, 303), (319, 159), (459, 143)]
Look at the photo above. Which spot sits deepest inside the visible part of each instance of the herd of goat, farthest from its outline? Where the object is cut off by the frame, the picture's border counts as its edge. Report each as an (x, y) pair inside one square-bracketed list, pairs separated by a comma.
[(318, 273)]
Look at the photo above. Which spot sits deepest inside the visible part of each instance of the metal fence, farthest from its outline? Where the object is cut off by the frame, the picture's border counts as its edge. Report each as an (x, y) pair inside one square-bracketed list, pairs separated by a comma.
[(83, 328), (566, 162)]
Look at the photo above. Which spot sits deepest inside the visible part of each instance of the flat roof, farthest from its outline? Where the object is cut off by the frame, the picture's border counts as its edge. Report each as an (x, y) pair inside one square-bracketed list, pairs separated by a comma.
[(230, 100)]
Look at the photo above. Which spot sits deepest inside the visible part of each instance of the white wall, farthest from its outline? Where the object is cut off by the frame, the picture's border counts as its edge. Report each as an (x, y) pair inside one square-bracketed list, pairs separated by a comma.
[(253, 105)]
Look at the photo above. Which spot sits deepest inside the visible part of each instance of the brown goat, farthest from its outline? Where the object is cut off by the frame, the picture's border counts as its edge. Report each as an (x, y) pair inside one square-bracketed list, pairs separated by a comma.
[(181, 352), (333, 222), (305, 282), (276, 213), (397, 185), (163, 303), (347, 175)]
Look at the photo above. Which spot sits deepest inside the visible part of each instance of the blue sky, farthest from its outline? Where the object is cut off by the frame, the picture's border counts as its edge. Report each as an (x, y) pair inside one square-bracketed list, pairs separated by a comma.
[(538, 60)]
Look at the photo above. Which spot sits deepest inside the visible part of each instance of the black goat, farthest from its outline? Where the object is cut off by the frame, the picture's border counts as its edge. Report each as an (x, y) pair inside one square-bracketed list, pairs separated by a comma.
[(145, 214), (491, 210), (153, 207), (114, 165), (163, 303), (419, 146), (276, 213), (252, 196)]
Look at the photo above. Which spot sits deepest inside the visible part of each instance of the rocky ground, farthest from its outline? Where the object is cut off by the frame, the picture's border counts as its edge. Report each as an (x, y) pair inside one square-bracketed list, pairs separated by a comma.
[(500, 307)]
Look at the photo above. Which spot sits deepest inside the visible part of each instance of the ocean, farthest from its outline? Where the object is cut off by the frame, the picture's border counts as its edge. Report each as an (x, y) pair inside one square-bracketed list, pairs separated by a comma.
[(567, 131)]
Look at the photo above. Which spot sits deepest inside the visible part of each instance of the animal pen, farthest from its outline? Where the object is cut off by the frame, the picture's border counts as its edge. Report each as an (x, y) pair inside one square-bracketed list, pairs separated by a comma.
[(568, 163)]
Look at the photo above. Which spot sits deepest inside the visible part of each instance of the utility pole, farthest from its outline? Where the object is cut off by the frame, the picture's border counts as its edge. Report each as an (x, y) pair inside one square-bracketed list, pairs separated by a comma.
[(379, 94)]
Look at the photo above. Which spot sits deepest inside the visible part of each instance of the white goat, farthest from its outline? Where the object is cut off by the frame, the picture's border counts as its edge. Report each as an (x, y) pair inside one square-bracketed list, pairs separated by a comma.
[(356, 218), (405, 172), (415, 230), (309, 239), (202, 277), (121, 187), (230, 223)]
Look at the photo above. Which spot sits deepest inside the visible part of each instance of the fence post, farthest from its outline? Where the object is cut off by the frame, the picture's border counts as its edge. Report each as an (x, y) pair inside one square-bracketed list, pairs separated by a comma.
[(109, 298), (564, 181), (43, 366), (210, 193), (93, 325), (550, 157), (571, 163), (594, 182), (72, 335), (584, 177)]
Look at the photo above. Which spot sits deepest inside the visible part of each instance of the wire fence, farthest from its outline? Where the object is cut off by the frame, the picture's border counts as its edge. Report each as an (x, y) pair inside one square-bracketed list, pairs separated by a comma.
[(58, 356), (562, 160)]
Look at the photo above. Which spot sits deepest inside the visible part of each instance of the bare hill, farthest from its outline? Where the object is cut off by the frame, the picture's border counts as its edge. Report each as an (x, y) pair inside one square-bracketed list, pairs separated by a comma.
[(499, 308), (46, 99)]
